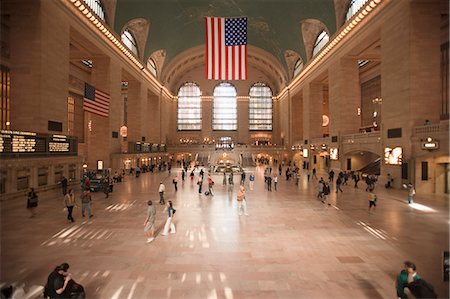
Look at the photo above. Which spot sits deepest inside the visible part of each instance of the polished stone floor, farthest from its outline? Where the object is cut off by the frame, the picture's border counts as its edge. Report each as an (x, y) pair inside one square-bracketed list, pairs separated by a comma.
[(290, 246)]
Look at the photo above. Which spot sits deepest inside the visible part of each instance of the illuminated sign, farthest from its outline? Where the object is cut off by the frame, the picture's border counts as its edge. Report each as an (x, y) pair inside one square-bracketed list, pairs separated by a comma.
[(305, 153), (393, 156), (334, 153)]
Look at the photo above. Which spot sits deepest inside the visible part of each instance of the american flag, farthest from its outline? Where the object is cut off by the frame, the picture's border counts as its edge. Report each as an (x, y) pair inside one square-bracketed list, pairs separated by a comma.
[(95, 101), (226, 48)]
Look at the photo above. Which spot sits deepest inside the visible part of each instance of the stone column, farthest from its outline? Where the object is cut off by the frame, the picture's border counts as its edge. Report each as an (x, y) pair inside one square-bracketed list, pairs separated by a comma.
[(243, 132), (39, 47), (297, 118), (153, 118), (345, 97), (410, 74), (312, 110), (137, 98)]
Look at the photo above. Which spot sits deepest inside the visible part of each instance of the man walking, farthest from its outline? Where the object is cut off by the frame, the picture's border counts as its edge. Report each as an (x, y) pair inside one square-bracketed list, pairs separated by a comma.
[(64, 185), (161, 191), (86, 200)]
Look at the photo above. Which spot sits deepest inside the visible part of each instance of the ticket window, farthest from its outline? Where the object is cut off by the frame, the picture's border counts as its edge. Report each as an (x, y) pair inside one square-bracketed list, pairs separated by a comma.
[(72, 171), (58, 173), (23, 179), (2, 181), (42, 176)]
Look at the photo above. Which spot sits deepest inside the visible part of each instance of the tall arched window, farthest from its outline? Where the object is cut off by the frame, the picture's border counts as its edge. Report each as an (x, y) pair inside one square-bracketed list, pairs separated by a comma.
[(189, 107), (298, 67), (322, 40), (151, 65), (129, 41), (355, 5), (97, 7), (225, 107), (260, 108)]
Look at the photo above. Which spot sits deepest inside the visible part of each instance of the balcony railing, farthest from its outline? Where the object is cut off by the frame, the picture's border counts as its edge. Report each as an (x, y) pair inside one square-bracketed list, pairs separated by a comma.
[(371, 137), (430, 129)]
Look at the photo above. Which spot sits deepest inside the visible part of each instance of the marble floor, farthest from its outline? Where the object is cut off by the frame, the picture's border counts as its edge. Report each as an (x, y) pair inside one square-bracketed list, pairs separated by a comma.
[(290, 246)]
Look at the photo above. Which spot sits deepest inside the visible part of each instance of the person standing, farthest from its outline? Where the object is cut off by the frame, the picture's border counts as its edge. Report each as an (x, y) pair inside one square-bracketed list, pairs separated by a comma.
[(356, 179), (314, 173), (325, 192), (407, 273), (372, 200), (242, 203), (161, 191), (64, 185), (86, 200), (69, 202), (175, 182), (308, 174), (411, 192), (169, 226), (183, 173), (57, 282), (269, 183), (149, 223), (320, 189), (32, 202), (331, 176), (251, 179), (275, 181)]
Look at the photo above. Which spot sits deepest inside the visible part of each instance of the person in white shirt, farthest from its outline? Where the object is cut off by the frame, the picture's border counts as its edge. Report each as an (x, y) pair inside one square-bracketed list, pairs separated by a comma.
[(161, 190)]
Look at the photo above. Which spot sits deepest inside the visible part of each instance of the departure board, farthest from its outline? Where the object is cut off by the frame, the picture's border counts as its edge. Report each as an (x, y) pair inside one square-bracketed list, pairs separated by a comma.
[(29, 143)]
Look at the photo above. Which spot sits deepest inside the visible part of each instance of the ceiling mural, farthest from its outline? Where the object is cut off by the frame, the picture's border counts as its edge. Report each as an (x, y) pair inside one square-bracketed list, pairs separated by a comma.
[(178, 25)]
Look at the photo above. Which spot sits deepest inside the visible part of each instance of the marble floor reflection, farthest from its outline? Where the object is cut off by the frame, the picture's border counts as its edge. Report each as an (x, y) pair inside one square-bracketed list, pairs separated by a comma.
[(290, 246)]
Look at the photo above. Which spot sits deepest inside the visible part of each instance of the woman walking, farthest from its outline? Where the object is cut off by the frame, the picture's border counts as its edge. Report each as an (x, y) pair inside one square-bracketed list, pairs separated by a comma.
[(149, 224), (169, 223), (69, 202), (32, 202), (242, 203)]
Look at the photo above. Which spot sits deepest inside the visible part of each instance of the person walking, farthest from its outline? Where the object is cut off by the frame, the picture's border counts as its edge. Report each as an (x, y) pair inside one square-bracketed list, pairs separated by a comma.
[(320, 189), (308, 173), (275, 181), (314, 173), (183, 173), (411, 192), (69, 202), (210, 185), (251, 180), (149, 223), (175, 182), (230, 182), (161, 191), (64, 185), (242, 203), (331, 176), (356, 179), (325, 192), (224, 181), (242, 178), (269, 183), (338, 184), (169, 226), (200, 184), (32, 202), (372, 200), (86, 200)]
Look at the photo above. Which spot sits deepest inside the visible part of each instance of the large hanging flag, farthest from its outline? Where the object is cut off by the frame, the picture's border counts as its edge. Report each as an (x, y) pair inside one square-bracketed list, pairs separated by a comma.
[(226, 48), (95, 101)]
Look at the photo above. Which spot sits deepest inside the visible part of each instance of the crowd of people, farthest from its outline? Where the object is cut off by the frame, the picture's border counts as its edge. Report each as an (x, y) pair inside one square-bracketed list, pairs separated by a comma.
[(60, 281)]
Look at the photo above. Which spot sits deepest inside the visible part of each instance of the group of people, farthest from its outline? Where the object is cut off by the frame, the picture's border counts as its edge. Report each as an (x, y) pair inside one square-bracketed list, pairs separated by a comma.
[(149, 223)]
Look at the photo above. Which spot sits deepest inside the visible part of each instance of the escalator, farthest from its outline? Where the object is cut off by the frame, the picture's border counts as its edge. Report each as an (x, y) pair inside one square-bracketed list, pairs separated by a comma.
[(371, 168)]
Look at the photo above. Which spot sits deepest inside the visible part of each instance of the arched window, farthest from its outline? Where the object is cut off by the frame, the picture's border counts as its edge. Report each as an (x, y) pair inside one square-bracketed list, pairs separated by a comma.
[(129, 41), (151, 65), (355, 5), (321, 41), (189, 107), (97, 7), (225, 107), (260, 108), (298, 67)]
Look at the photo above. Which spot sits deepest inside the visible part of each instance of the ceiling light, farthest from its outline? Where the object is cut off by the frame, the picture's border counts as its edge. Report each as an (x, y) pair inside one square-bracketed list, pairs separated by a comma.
[(89, 15), (372, 4), (85, 11), (78, 3), (377, 1)]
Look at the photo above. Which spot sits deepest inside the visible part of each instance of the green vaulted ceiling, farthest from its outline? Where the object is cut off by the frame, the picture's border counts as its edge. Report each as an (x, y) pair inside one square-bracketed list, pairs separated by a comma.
[(273, 25)]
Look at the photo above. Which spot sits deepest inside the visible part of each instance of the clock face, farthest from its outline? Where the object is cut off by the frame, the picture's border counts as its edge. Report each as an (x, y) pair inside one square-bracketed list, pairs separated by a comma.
[(325, 120)]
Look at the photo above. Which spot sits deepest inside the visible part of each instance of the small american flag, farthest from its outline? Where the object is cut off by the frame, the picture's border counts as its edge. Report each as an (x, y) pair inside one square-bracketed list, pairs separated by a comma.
[(226, 48), (95, 101)]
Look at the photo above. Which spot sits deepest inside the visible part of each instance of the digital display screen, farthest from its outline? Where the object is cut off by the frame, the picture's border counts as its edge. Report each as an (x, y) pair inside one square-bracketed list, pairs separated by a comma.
[(18, 142), (333, 153)]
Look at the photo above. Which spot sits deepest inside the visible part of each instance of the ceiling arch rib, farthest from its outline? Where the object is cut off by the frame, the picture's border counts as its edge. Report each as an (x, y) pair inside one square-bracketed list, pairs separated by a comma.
[(139, 27), (341, 8), (311, 28)]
